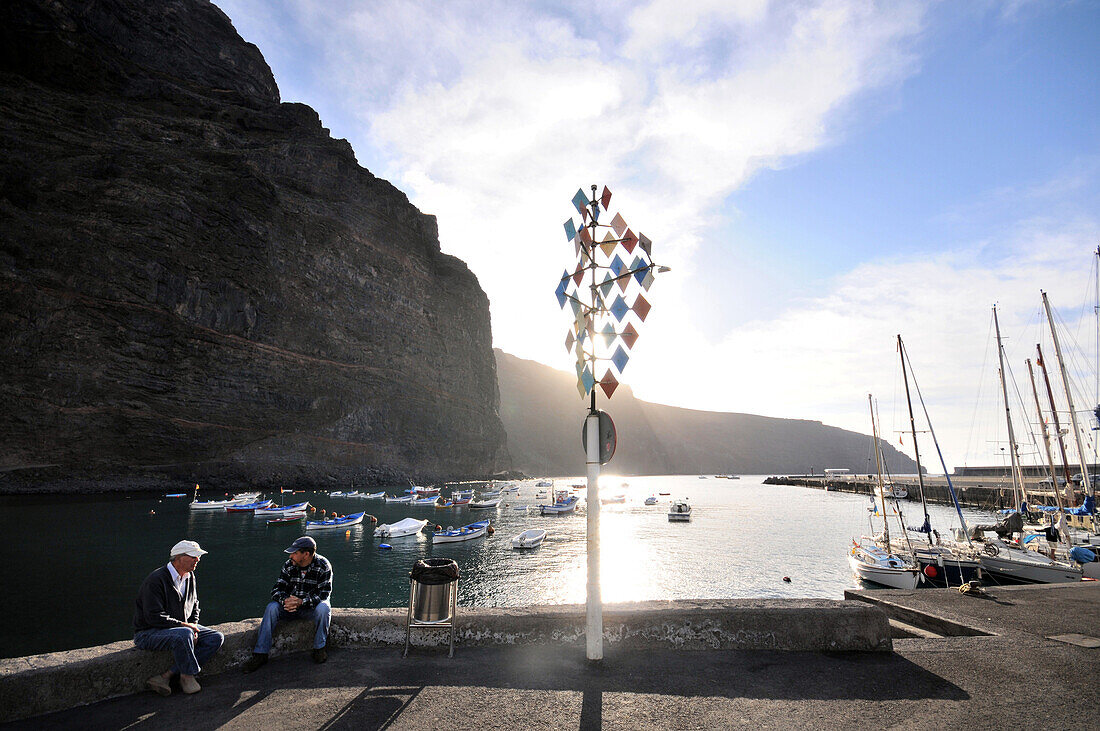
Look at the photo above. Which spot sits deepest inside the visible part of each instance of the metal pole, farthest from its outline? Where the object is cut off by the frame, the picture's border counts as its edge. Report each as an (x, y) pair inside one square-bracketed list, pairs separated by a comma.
[(1018, 490), (1086, 481), (916, 450), (593, 601)]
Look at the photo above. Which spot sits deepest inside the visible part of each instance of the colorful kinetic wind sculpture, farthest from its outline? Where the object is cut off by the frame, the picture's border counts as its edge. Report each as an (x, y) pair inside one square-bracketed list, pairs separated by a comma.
[(619, 269)]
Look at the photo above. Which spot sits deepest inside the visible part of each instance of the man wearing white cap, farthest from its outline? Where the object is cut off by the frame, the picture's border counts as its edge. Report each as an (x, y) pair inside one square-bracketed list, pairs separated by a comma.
[(167, 618)]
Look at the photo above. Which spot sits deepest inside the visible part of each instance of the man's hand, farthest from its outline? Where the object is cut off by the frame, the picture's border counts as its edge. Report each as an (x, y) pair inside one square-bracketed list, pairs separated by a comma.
[(193, 627), (291, 603)]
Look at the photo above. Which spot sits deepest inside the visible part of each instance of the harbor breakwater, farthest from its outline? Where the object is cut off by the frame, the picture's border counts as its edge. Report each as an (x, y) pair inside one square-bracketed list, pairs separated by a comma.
[(30, 686)]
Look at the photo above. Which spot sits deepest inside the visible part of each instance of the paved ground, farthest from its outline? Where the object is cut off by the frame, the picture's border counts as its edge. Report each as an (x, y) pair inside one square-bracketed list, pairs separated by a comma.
[(1014, 676)]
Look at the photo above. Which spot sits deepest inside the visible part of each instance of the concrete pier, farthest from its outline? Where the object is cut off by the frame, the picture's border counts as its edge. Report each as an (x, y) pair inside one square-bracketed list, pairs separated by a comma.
[(1014, 655)]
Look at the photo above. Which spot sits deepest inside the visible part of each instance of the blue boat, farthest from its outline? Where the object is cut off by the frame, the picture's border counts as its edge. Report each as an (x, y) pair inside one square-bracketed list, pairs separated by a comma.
[(284, 510), (465, 533), (353, 519)]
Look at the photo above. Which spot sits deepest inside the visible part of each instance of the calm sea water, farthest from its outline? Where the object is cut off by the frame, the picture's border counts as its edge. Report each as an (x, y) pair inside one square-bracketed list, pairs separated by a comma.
[(74, 564)]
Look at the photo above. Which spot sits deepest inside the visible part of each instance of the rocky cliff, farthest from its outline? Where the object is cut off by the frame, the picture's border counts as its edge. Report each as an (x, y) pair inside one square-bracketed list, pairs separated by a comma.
[(543, 417), (199, 283)]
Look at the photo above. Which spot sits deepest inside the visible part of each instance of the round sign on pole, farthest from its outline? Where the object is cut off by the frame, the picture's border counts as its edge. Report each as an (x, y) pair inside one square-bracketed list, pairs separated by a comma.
[(607, 437)]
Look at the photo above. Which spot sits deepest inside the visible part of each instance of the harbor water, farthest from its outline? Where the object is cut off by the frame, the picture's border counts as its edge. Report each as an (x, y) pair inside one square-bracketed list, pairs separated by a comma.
[(75, 562)]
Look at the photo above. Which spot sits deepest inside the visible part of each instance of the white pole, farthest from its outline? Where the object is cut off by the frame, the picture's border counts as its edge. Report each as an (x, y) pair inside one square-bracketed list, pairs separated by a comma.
[(594, 603)]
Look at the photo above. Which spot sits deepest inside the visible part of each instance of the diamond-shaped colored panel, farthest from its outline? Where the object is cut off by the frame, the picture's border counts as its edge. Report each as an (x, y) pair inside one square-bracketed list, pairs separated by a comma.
[(585, 236), (619, 308), (623, 282), (641, 307), (647, 282), (629, 335), (618, 224), (609, 383), (581, 336), (577, 309), (645, 243), (570, 230), (617, 265), (605, 198), (620, 358), (580, 388), (640, 268), (569, 341), (580, 201), (607, 284), (587, 380), (629, 241), (560, 292), (608, 247), (578, 275)]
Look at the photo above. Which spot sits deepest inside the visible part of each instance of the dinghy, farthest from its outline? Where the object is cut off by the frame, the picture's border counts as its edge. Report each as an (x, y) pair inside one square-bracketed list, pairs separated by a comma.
[(485, 503), (529, 538), (465, 533), (406, 527), (679, 512)]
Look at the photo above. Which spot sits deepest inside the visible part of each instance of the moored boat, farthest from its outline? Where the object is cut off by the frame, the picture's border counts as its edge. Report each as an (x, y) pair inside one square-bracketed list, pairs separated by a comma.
[(347, 520), (248, 507), (530, 538), (565, 503), (406, 527), (651, 500), (873, 563), (294, 518), (679, 511), (399, 498), (465, 533), (423, 501), (485, 503), (285, 510), (376, 495)]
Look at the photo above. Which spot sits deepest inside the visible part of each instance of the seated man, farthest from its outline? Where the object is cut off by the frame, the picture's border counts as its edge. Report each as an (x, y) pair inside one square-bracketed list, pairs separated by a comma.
[(302, 592), (167, 616)]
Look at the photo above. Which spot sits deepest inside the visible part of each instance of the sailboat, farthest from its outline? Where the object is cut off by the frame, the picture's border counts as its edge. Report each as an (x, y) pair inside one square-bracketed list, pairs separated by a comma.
[(869, 558), (1006, 558), (943, 563)]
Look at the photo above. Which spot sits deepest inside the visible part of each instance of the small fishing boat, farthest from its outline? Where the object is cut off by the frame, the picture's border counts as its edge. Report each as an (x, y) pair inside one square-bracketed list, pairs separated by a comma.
[(544, 483), (651, 500), (176, 494), (873, 563), (465, 533), (216, 504), (531, 538), (485, 503), (399, 499), (444, 505), (406, 527), (664, 493), (287, 519), (355, 493), (519, 507), (679, 512), (247, 497), (338, 493), (565, 503), (620, 498), (426, 491), (488, 493), (423, 501), (285, 510), (460, 501), (376, 495), (347, 520), (248, 507), (510, 487)]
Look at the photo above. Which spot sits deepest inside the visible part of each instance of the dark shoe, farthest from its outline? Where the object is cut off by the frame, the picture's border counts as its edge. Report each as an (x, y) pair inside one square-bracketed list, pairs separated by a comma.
[(257, 661), (320, 655)]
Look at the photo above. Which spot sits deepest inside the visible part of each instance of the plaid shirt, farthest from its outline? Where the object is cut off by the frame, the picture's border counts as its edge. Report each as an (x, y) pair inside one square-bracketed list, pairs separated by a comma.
[(313, 584)]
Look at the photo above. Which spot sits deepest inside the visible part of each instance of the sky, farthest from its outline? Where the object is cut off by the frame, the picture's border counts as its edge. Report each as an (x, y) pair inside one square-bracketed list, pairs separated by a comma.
[(819, 175)]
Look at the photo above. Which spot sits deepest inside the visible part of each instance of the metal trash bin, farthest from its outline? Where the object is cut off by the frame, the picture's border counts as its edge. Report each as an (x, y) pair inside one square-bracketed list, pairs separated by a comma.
[(433, 597)]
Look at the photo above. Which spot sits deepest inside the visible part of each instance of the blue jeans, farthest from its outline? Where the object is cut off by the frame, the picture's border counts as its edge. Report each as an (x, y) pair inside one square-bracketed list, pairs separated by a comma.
[(275, 612), (188, 652)]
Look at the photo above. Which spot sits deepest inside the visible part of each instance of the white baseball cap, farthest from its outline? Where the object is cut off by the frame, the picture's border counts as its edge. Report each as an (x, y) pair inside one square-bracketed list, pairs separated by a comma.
[(190, 548)]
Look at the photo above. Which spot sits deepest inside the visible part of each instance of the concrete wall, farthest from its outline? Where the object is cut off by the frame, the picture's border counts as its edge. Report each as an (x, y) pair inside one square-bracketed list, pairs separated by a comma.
[(39, 684)]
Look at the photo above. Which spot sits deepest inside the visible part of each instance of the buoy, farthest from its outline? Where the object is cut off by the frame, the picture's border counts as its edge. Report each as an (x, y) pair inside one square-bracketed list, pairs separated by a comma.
[(385, 546), (152, 512), (373, 519), (490, 530), (347, 533), (439, 527), (930, 571), (313, 510), (787, 579)]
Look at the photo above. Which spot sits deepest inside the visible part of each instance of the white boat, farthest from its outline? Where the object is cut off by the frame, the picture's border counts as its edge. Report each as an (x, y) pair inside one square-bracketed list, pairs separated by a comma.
[(217, 504), (651, 500), (1003, 561), (353, 519), (896, 491), (286, 509), (873, 563), (566, 503), (544, 483), (406, 527), (426, 491), (529, 538), (338, 493), (465, 533), (620, 498), (397, 499), (423, 501), (510, 487), (376, 495), (679, 511), (485, 503)]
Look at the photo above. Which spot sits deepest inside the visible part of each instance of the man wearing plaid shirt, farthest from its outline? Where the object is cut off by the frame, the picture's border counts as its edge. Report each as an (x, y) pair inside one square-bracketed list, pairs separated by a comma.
[(302, 592)]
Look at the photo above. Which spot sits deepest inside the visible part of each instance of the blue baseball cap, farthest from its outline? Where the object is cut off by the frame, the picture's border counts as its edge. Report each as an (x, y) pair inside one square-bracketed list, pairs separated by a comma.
[(305, 543)]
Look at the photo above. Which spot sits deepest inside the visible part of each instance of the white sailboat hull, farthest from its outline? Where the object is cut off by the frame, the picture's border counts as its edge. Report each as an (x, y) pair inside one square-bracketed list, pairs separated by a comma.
[(1028, 567), (895, 578)]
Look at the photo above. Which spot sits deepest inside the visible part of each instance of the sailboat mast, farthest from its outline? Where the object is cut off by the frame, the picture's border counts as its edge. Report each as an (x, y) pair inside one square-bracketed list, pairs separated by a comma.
[(927, 527), (1054, 413), (1046, 434), (878, 466), (1017, 476), (1086, 481)]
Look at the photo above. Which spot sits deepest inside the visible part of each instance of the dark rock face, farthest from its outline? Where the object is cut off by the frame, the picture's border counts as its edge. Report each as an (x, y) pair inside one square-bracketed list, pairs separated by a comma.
[(543, 417), (199, 283)]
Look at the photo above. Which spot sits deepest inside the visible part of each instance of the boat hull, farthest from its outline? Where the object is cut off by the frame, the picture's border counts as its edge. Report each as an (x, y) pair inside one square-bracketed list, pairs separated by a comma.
[(462, 534), (1007, 566), (884, 575), (354, 519), (529, 539)]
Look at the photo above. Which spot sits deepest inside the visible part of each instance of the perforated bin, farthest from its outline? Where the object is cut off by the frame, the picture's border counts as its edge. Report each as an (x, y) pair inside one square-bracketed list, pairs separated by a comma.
[(433, 598)]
